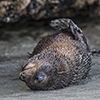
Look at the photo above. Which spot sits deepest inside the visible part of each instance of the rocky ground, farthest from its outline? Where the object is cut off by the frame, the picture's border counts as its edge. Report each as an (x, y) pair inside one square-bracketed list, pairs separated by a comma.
[(15, 42)]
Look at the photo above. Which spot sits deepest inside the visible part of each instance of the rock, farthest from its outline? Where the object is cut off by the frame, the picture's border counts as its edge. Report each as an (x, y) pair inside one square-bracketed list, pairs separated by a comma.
[(12, 10)]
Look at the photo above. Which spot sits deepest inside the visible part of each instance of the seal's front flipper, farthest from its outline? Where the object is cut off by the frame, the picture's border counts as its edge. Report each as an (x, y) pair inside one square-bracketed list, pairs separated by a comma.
[(67, 25), (95, 51)]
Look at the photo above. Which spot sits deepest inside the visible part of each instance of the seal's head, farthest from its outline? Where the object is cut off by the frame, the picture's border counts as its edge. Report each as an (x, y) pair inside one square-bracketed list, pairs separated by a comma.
[(38, 75)]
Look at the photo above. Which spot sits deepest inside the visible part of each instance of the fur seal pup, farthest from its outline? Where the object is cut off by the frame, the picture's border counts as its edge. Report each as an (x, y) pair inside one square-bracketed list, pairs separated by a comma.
[(59, 59)]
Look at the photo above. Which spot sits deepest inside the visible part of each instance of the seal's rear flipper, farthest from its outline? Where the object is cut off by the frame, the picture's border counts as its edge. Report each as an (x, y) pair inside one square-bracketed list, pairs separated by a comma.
[(67, 25)]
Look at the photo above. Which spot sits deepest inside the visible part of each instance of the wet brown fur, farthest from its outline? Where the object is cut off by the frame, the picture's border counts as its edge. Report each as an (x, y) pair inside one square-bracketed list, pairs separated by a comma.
[(61, 58), (58, 56)]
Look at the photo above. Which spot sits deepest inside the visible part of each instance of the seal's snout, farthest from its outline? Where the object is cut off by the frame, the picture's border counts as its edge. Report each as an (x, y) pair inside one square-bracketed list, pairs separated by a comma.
[(21, 77)]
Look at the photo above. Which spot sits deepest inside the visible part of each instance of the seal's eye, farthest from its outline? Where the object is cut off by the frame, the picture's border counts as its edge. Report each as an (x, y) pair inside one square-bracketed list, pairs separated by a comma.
[(40, 78)]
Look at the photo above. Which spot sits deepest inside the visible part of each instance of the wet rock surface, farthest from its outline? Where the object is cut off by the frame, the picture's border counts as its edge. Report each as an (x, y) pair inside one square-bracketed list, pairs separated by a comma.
[(14, 45)]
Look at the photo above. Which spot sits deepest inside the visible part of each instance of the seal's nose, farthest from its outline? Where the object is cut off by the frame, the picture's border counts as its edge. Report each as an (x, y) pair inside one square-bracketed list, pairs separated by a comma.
[(21, 77)]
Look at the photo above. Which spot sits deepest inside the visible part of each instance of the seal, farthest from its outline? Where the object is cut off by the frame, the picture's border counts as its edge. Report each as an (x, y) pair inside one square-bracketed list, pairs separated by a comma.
[(58, 60)]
